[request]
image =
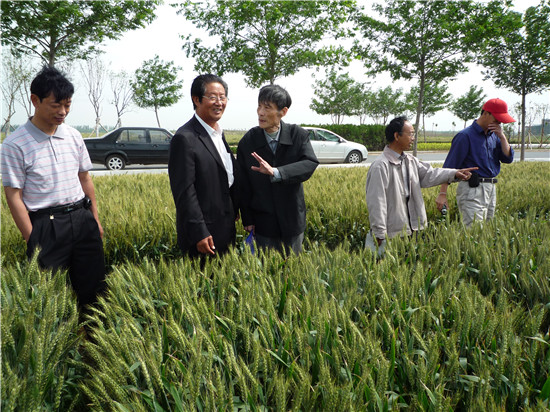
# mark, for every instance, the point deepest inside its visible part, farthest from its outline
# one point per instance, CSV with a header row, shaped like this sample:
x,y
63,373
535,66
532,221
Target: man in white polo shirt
x,y
49,191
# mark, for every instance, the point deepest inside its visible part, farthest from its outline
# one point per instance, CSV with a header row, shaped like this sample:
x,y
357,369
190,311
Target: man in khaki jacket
x,y
394,182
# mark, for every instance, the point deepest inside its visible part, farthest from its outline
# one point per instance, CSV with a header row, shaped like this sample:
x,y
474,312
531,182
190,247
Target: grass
x,y
456,319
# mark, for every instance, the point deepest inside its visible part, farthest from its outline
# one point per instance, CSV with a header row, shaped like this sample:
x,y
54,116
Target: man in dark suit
x,y
202,174
275,158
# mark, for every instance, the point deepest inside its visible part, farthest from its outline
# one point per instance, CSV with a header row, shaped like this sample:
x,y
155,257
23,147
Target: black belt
x,y
57,210
488,180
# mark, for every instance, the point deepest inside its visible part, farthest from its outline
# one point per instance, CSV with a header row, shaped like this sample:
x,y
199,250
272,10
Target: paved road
x,y
431,157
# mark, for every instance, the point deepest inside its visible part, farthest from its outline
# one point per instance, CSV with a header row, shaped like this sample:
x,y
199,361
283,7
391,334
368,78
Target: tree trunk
x,y
542,129
7,126
157,115
522,157
419,109
97,124
424,126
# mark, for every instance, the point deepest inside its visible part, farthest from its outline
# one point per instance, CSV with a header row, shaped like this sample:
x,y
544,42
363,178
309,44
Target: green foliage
x,y
468,106
429,41
327,329
384,102
435,98
39,325
444,147
265,40
156,85
372,136
519,60
338,95
69,29
456,319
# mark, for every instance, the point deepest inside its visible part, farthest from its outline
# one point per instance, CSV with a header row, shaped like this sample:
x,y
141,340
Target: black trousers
x,y
71,241
283,244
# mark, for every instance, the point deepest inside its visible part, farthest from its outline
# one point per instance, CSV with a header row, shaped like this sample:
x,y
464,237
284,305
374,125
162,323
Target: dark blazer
x,y
205,205
277,209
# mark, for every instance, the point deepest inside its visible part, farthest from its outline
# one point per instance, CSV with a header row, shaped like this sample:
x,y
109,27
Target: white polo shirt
x,y
45,167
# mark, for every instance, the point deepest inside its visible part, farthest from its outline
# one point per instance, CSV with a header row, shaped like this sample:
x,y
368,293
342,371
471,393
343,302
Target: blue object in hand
x,y
250,241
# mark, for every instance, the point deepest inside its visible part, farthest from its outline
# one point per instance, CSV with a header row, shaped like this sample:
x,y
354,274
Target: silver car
x,y
332,148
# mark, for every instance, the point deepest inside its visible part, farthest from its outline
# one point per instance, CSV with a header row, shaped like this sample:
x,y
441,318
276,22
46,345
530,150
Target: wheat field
x,y
455,319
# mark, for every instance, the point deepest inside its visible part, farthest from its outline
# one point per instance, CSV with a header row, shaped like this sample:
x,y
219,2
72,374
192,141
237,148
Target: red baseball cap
x,y
499,109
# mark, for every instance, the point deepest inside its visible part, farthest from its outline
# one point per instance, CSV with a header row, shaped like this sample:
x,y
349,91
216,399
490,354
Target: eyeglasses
x,y
412,134
213,99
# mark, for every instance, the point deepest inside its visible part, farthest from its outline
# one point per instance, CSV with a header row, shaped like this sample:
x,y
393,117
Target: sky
x,y
163,37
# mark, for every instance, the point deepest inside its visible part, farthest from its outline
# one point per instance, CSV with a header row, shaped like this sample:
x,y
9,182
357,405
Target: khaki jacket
x,y
390,213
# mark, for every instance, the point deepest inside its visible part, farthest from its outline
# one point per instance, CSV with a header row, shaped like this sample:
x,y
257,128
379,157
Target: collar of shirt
x,y
211,131
216,136
479,129
40,136
393,156
272,136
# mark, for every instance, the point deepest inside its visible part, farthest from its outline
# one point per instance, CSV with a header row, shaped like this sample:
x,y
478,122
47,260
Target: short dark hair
x,y
396,125
198,88
273,93
50,80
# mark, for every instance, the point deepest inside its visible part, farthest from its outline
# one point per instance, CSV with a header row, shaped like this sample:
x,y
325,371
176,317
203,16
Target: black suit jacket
x,y
204,202
277,209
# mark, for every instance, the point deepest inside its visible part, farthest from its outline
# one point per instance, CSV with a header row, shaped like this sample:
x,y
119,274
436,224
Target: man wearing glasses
x,y
394,182
482,144
202,173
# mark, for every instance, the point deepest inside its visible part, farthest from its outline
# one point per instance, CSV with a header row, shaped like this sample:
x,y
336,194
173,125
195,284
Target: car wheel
x,y
354,157
115,162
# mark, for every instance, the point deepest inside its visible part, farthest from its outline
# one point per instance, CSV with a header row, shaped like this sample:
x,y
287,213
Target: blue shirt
x,y
472,147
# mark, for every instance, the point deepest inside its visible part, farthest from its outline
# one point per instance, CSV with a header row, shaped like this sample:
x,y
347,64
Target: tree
x,y
516,111
123,94
337,95
24,95
156,85
520,61
265,40
435,99
69,29
544,109
430,40
385,102
468,106
364,108
94,73
15,75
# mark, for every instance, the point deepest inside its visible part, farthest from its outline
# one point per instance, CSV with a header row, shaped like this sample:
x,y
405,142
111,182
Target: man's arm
x,y
18,211
89,190
181,171
302,169
244,189
377,181
291,173
496,128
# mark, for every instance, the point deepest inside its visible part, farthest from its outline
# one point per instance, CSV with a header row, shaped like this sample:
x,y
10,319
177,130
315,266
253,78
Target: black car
x,y
127,145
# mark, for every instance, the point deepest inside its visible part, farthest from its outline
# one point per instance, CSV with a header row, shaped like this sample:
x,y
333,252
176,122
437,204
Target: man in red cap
x,y
484,145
